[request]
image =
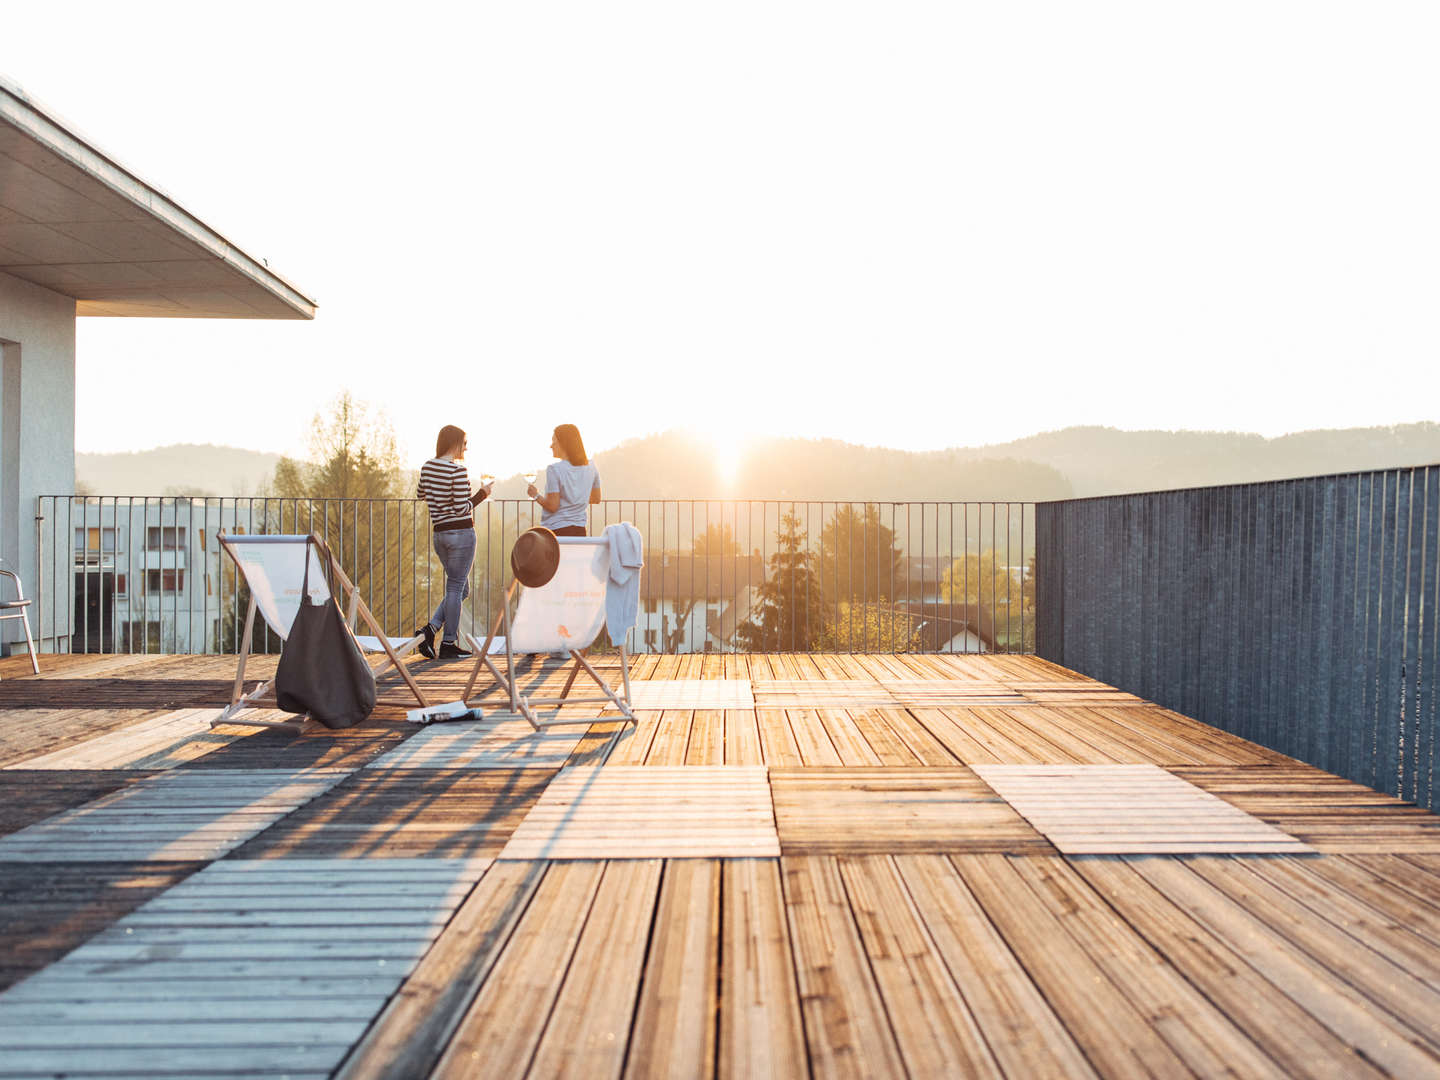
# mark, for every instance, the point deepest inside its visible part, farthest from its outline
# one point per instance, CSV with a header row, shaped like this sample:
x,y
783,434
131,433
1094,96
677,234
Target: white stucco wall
x,y
37,425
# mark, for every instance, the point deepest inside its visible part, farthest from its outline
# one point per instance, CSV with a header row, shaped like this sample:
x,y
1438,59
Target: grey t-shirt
x,y
574,483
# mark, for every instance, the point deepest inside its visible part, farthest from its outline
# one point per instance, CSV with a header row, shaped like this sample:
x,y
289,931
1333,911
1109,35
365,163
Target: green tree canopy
x,y
788,614
352,491
353,454
859,560
715,540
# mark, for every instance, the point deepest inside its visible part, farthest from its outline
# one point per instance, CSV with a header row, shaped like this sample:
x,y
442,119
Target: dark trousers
x,y
571,530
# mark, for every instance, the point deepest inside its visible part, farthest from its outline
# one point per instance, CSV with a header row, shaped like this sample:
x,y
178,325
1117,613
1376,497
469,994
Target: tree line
x,y
353,490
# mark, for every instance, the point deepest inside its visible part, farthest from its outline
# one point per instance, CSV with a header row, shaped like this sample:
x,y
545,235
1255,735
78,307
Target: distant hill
x,y
1107,461
1074,462
182,469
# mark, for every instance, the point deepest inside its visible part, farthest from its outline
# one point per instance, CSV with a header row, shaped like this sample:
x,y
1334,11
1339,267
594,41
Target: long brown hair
x,y
450,438
568,436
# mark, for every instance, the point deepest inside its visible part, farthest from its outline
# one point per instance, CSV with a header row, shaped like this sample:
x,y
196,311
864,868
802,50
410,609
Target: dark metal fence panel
x,y
1302,614
122,574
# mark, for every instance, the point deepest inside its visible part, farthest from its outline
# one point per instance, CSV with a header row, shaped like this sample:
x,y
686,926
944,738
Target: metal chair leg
x,y
30,644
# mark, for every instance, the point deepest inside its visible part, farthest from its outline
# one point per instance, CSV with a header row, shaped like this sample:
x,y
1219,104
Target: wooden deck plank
x,y
1202,1036
777,738
1374,880
499,1032
409,1036
674,1033
888,745
707,738
647,812
846,1027
847,739
760,1028
1385,982
970,738
1017,1023
934,1028
389,813
812,738
672,738
588,1031
998,955
1289,1034
891,810
1346,1011
1331,814
1100,809
742,745
126,964
1116,1037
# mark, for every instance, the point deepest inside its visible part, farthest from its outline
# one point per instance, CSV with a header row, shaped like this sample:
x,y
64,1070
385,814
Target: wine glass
x,y
486,479
530,476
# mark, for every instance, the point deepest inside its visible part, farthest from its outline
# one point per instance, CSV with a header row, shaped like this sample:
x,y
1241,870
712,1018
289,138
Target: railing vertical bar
x,y
1408,713
1430,639
1390,642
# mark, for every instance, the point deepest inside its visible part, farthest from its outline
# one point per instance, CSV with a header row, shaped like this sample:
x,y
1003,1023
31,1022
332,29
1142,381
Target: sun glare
x,y
728,455
727,452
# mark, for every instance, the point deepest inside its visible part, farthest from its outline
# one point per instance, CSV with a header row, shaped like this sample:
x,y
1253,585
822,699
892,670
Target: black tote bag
x,y
322,670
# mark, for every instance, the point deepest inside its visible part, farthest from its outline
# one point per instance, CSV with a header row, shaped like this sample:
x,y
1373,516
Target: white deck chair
x,y
274,569
565,615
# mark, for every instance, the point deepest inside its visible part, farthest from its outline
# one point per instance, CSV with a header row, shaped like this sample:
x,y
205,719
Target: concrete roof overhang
x,y
74,220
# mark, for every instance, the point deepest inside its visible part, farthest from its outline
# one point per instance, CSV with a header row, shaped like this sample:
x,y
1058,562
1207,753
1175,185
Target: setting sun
x,y
727,451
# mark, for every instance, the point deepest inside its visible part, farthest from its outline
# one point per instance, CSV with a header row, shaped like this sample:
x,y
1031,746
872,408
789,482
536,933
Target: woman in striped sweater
x,y
445,487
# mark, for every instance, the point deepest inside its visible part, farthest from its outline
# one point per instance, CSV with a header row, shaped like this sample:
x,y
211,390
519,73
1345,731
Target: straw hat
x,y
535,557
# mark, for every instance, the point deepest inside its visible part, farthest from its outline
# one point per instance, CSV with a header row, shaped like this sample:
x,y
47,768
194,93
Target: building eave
x,y
133,250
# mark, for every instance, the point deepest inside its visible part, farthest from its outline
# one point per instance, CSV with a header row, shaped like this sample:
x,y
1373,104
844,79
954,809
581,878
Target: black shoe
x,y
450,651
426,648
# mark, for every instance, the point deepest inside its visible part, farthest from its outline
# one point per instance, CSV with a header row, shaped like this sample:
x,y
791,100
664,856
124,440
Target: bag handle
x,y
329,562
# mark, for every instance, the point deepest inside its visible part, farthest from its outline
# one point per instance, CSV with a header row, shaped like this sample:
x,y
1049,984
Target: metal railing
x,y
137,574
1302,614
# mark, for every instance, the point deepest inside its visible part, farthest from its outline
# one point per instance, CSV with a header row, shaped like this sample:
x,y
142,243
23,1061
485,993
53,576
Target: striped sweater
x,y
445,487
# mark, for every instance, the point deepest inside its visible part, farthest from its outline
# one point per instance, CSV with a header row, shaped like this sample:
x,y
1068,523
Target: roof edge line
x,y
18,109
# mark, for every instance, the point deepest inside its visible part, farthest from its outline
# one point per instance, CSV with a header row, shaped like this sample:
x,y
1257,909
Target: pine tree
x,y
787,617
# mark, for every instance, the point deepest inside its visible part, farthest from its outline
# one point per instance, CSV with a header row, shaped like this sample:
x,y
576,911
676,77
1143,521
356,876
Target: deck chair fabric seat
x,y
565,615
274,570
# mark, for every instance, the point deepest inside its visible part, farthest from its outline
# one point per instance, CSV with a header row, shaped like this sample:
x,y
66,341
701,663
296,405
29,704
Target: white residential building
x,y
82,235
690,605
148,574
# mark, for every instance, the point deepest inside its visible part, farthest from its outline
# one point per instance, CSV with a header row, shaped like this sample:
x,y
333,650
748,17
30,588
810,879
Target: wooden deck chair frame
x,y
527,706
356,610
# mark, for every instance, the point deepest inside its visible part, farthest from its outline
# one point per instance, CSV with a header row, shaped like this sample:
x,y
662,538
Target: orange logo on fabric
x,y
564,631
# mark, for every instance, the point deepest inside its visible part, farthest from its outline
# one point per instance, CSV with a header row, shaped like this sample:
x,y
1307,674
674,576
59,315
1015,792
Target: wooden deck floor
x,y
792,865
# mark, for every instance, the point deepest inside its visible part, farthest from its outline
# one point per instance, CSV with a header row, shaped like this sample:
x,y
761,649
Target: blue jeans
x,y
456,549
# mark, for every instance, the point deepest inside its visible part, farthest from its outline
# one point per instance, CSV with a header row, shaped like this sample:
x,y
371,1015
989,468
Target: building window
x,y
92,541
165,538
164,580
120,583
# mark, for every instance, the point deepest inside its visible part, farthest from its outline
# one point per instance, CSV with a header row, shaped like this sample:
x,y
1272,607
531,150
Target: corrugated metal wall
x,y
1301,614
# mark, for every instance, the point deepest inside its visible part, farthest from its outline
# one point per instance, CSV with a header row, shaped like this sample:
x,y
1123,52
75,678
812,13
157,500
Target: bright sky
x,y
910,224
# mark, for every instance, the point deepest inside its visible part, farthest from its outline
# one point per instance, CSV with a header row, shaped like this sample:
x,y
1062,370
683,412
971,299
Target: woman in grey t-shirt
x,y
571,484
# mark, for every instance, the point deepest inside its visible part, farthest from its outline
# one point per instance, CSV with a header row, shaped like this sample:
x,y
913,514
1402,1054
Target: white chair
x,y
564,615
18,609
274,569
